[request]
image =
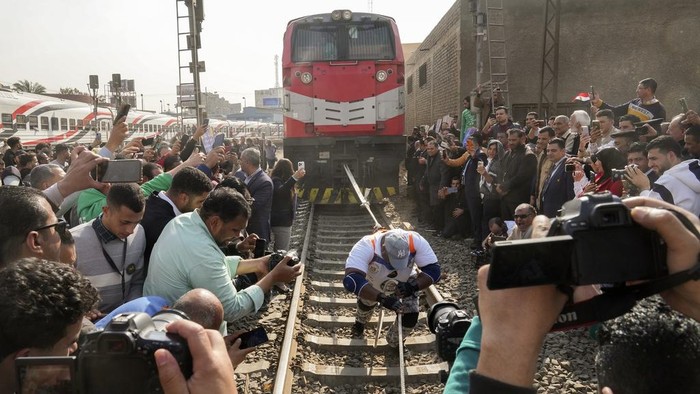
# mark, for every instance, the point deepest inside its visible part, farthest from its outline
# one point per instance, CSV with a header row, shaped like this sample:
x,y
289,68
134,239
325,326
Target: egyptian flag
x,y
583,96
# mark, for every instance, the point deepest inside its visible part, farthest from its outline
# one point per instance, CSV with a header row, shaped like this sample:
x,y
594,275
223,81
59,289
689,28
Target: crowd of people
x,y
186,235
463,176
181,238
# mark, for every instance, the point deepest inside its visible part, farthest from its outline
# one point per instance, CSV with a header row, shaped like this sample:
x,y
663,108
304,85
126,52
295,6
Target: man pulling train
x,y
382,269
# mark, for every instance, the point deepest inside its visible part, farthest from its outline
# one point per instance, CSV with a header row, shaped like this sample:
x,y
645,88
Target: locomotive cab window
x,y
7,119
21,119
64,124
343,42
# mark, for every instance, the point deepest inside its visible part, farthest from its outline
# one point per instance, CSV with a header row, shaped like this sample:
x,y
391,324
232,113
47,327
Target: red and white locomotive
x,y
343,76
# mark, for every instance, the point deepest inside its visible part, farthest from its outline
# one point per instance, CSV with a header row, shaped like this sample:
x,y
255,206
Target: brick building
x,y
609,44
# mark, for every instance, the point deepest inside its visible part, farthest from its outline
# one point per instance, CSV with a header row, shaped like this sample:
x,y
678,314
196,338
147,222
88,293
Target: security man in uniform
x,y
381,269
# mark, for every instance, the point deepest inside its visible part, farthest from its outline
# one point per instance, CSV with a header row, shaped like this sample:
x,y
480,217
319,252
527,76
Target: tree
x,y
30,87
70,91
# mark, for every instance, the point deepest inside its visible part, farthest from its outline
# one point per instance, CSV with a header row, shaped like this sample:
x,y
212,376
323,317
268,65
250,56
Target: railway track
x,y
317,352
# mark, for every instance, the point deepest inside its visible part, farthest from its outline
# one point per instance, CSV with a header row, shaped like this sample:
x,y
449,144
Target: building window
x,y
409,84
422,74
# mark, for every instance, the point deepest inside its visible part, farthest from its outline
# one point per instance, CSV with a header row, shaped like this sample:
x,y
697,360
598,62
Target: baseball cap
x,y
396,245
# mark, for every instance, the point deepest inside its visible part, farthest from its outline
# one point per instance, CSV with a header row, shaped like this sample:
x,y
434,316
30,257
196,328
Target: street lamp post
x,y
142,108
245,121
161,106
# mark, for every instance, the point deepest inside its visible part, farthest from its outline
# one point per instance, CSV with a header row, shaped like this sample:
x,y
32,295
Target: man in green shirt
x,y
187,256
467,119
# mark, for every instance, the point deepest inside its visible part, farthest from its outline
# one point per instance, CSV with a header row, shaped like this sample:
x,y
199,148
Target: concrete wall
x,y
609,44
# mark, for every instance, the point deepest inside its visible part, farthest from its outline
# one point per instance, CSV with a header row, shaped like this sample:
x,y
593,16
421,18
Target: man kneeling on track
x,y
381,269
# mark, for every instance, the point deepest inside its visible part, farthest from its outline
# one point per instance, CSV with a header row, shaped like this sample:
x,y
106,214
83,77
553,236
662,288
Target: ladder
x,y
189,99
496,38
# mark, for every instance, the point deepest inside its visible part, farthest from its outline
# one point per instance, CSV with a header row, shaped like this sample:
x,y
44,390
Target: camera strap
x,y
617,301
130,269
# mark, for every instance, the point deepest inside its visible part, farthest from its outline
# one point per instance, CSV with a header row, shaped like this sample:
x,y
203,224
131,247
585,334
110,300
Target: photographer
x,y
187,256
516,320
603,164
678,182
43,304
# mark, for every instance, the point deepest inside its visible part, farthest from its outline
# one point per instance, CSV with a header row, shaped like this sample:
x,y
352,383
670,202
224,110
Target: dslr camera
x,y
118,359
449,324
593,240
278,255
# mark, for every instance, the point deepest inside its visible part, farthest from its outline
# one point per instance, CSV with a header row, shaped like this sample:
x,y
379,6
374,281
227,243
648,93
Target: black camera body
x,y
278,255
449,324
618,174
593,240
120,358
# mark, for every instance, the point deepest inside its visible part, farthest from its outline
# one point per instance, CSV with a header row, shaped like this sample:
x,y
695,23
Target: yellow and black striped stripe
x,y
343,196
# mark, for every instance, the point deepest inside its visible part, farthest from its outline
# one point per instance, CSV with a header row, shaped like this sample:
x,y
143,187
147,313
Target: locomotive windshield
x,y
348,41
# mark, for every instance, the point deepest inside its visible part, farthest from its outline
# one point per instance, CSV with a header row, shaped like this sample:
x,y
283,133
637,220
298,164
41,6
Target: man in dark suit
x,y
260,186
470,178
188,191
519,169
558,188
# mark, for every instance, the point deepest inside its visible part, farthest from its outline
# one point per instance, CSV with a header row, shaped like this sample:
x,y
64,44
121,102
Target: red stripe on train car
x,y
22,109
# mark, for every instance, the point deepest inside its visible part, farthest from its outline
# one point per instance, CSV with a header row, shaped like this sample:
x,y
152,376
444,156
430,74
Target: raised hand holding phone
x,y
121,115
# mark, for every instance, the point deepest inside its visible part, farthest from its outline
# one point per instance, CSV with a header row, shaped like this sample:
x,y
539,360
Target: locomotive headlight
x,y
347,15
306,78
336,15
381,75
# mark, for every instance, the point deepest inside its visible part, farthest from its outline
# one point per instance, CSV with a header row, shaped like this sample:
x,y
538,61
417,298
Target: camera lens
x,y
167,316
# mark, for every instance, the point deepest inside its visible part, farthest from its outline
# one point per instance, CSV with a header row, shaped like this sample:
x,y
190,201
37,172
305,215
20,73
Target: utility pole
x,y
117,86
196,16
94,85
480,23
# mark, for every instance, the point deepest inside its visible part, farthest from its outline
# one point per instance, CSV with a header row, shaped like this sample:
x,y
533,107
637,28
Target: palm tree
x,y
70,91
30,87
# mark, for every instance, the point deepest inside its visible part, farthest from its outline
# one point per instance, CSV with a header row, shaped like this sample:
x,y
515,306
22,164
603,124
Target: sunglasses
x,y
521,216
61,226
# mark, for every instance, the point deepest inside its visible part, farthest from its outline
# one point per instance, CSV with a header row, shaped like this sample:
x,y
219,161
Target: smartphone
x,y
300,165
571,167
185,138
218,141
148,141
260,246
541,123
123,111
592,92
684,104
119,171
253,338
444,154
498,238
205,122
98,136
451,190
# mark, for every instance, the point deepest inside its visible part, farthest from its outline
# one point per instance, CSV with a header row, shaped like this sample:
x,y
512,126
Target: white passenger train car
x,y
38,118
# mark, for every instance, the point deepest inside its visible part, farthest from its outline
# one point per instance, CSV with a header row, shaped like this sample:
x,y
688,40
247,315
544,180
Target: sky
x,y
59,43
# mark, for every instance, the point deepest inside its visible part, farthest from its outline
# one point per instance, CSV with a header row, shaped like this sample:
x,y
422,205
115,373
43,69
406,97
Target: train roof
x,y
326,17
